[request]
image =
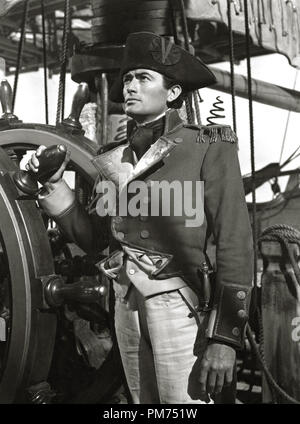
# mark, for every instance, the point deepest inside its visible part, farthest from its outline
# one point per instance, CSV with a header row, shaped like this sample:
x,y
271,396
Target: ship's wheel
x,y
30,329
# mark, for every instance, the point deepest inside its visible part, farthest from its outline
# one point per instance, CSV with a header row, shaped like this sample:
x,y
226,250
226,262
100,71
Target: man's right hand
x,y
33,165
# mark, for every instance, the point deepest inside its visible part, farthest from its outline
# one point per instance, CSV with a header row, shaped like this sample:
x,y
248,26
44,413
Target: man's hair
x,y
177,103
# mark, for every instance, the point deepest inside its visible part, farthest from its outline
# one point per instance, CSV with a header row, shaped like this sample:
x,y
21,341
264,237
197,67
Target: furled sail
x,y
274,24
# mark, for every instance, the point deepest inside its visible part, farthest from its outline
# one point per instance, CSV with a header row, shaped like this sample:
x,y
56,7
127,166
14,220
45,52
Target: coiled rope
x,y
215,112
260,356
284,234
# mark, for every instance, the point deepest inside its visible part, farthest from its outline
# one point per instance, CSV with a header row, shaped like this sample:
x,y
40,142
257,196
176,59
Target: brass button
x,y
178,140
118,219
120,235
241,295
143,218
144,234
235,331
131,271
242,314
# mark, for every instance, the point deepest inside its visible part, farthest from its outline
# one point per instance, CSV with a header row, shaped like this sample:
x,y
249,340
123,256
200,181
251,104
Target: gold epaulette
x,y
213,133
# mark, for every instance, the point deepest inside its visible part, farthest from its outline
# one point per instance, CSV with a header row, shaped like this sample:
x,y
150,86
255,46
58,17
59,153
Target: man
x,y
177,333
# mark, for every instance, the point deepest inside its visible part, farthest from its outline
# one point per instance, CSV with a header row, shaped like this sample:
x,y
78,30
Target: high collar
x,y
171,120
118,163
151,123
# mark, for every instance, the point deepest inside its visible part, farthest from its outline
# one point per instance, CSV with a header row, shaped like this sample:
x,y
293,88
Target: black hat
x,y
145,50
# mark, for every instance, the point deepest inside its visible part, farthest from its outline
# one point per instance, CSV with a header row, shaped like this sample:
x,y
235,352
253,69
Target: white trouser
x,y
156,338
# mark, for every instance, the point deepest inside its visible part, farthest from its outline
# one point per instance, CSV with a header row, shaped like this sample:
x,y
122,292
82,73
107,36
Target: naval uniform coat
x,y
183,153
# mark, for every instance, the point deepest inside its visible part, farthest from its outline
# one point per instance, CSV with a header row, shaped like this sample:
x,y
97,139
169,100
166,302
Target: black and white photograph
x,y
149,206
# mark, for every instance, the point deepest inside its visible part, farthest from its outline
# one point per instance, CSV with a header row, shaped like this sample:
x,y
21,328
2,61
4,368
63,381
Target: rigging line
x,y
197,107
20,52
68,32
231,53
62,81
295,157
173,21
252,148
66,39
287,121
45,62
189,109
290,158
189,98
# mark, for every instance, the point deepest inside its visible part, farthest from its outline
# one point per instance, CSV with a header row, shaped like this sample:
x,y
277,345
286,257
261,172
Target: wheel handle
x,y
50,161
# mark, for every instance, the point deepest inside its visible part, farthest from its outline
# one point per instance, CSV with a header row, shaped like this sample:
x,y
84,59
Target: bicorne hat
x,y
145,50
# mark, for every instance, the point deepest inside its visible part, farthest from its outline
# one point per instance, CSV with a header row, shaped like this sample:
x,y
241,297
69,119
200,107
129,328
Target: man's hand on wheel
x,y
33,165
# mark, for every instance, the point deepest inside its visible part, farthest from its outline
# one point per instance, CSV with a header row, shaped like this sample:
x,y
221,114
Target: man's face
x,y
145,96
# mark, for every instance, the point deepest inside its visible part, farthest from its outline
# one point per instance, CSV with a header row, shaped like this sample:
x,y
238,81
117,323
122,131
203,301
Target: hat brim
x,y
202,77
145,50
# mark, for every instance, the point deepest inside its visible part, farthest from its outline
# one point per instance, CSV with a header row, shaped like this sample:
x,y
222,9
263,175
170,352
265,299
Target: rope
x,y
215,111
20,52
45,62
184,26
68,31
270,379
231,54
63,64
281,231
291,157
287,121
197,107
254,223
285,235
189,110
189,98
173,21
252,154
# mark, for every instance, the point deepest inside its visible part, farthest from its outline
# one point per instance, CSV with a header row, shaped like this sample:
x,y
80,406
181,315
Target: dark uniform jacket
x,y
184,153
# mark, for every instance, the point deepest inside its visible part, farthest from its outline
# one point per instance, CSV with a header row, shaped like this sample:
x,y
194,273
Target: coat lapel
x,y
115,165
159,150
119,165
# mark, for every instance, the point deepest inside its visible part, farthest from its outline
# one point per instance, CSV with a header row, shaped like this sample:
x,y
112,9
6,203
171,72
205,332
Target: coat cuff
x,y
229,315
59,200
